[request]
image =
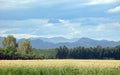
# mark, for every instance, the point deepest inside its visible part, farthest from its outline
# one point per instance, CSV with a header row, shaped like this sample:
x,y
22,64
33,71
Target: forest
x,y
23,50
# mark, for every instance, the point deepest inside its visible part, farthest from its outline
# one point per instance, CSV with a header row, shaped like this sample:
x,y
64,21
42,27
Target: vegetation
x,y
9,41
44,53
88,53
60,67
23,50
24,46
11,50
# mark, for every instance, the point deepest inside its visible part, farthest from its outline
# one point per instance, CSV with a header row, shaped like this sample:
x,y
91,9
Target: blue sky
x,y
97,19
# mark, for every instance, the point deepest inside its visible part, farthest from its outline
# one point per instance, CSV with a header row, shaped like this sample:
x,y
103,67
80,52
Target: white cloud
x,y
117,25
114,10
49,25
64,28
108,27
22,23
100,28
39,27
71,26
108,31
64,4
63,21
14,4
97,2
22,26
18,4
3,31
27,36
19,36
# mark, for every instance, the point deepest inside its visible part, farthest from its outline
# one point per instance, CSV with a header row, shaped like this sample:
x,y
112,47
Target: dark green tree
x,y
62,52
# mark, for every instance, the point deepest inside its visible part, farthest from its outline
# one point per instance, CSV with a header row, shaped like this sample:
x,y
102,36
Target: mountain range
x,y
45,43
86,42
56,39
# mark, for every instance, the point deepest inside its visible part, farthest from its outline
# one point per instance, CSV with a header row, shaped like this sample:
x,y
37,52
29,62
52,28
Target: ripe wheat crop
x,y
59,67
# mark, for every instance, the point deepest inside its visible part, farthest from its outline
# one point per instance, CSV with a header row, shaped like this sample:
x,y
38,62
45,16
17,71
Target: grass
x,y
59,67
47,53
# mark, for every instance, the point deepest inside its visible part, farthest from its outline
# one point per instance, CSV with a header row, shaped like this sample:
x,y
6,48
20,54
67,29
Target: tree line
x,y
88,53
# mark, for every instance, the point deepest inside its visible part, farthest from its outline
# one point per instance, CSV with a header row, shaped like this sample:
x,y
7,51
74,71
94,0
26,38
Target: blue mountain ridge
x,y
86,42
45,43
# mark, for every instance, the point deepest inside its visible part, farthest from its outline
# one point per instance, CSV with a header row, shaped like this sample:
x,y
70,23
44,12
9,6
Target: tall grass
x,y
58,71
64,67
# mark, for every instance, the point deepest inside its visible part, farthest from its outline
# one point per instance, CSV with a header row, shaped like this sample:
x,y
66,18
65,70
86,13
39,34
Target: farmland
x,y
60,67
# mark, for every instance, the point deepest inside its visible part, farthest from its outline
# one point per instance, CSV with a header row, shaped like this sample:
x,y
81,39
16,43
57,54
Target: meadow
x,y
60,67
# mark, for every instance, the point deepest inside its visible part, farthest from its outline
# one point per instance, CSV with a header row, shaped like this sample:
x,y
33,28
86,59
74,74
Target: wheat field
x,y
60,67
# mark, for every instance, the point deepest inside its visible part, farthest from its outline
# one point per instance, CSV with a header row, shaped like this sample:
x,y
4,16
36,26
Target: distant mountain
x,y
45,43
40,44
56,39
86,42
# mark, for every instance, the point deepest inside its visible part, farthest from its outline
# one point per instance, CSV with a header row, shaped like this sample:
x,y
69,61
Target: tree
x,y
4,42
62,52
2,53
24,46
10,52
117,52
9,41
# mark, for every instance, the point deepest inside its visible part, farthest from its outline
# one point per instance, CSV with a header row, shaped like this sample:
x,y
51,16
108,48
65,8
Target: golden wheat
x,y
60,63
